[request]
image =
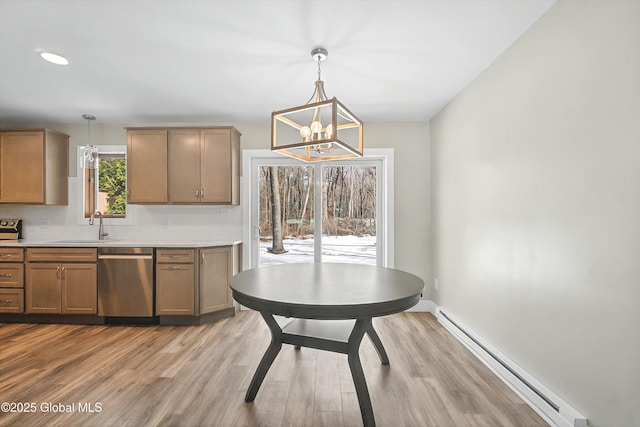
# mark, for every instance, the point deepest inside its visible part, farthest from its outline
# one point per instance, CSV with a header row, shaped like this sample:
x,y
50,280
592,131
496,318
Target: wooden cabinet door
x,y
216,266
22,167
43,288
184,166
79,288
175,289
215,164
147,166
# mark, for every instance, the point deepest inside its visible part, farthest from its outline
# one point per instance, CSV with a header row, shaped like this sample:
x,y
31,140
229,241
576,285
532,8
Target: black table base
x,y
339,336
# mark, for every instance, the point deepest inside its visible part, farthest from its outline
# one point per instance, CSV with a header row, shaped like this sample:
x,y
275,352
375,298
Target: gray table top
x,y
326,290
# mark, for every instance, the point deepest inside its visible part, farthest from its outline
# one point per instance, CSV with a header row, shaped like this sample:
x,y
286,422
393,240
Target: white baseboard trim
x,y
542,400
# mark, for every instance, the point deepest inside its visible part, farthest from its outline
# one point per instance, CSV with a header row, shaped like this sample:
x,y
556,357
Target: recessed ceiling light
x,y
53,58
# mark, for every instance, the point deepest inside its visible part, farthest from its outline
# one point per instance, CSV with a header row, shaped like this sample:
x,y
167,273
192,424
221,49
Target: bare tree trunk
x,y
277,246
304,207
325,204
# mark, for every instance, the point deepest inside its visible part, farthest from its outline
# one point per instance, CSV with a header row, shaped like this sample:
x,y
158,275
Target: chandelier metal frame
x,y
298,132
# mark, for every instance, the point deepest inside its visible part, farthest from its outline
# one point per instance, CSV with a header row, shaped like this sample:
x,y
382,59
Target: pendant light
x,y
321,129
88,152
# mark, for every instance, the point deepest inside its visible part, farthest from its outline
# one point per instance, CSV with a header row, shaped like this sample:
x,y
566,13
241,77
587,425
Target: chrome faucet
x,y
101,233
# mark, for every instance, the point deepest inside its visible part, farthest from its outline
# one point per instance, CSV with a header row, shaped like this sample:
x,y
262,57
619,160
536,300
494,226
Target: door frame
x,y
382,157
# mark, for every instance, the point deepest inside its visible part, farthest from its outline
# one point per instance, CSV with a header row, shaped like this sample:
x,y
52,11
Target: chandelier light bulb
x,y
305,133
329,131
316,127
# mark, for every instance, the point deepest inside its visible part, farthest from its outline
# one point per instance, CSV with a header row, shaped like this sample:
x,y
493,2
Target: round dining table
x,y
332,306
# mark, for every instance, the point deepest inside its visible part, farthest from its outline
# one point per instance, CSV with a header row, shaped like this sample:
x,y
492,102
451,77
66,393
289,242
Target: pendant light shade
x,y
321,129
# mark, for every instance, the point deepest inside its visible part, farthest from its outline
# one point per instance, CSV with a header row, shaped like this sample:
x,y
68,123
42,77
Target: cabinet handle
x,y
175,267
7,301
197,192
6,255
58,272
175,256
6,275
202,193
63,274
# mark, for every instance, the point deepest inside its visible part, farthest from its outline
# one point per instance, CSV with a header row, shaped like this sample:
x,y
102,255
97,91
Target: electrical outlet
x,y
436,286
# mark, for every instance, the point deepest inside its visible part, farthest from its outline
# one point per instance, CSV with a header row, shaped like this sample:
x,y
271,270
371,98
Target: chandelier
x,y
88,152
321,129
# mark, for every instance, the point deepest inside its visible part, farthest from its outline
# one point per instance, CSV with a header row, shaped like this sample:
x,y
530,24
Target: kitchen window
x,y
105,187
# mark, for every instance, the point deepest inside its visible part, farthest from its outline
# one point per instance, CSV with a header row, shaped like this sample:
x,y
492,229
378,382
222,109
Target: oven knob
x,y
3,223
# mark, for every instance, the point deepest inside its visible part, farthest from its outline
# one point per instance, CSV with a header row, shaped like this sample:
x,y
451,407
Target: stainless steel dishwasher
x,y
125,282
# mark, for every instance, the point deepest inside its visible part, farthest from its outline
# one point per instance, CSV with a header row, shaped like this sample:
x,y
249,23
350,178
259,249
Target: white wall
x,y
410,142
536,206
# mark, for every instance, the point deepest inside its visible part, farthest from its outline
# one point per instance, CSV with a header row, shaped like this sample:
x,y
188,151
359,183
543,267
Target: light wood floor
x,y
197,376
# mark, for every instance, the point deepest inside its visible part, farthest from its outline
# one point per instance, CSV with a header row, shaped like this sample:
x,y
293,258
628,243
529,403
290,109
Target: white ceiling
x,y
164,61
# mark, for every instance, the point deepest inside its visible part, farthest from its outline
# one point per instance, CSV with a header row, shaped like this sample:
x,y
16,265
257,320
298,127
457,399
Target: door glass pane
x,y
349,214
290,239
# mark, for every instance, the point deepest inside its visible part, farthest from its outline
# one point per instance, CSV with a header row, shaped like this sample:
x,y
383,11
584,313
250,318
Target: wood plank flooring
x,y
198,375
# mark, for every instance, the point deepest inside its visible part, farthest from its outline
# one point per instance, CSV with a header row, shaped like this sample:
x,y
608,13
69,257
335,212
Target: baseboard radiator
x,y
542,400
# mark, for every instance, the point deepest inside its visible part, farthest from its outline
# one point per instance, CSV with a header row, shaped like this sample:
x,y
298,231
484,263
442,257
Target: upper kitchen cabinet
x,y
183,165
34,167
204,166
147,166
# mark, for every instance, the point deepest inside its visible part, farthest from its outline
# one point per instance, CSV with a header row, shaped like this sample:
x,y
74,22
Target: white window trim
x,y
81,220
250,161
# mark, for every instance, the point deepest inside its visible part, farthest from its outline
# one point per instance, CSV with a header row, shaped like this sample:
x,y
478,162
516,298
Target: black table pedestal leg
x,y
267,359
375,339
353,346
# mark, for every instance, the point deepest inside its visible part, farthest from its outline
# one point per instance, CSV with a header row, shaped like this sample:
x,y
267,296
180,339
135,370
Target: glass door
x,y
325,212
287,194
349,214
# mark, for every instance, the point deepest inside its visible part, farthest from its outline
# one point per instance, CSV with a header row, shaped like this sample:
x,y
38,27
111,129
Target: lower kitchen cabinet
x,y
79,289
48,284
44,288
11,280
216,271
194,282
11,300
61,288
175,290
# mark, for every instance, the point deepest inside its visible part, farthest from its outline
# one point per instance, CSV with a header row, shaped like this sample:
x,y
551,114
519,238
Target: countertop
x,y
127,243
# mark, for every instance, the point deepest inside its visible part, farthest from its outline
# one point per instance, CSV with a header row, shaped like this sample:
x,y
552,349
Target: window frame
x,y
84,186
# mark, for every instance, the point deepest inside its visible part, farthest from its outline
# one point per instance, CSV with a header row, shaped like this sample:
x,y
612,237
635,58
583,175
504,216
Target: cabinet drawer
x,y
11,275
11,254
62,254
175,256
11,300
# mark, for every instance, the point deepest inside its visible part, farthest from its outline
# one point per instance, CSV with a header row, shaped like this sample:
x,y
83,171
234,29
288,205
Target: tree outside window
x,y
109,195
